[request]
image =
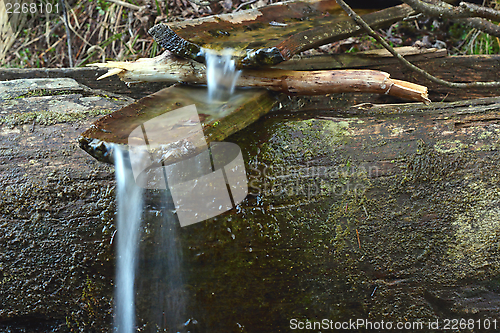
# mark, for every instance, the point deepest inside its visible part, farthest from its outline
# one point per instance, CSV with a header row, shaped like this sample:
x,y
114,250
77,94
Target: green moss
x,y
305,139
49,117
44,92
91,304
449,146
434,164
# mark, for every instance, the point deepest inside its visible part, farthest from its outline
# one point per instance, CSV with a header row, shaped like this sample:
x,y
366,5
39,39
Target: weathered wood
x,y
166,67
451,68
332,82
365,59
56,210
261,38
85,76
218,121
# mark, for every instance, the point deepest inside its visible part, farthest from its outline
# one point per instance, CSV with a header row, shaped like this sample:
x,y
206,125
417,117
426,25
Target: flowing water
x,y
130,206
160,281
157,256
221,75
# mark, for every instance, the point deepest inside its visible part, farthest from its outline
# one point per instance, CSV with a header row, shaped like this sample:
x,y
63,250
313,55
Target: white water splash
x,y
130,206
222,74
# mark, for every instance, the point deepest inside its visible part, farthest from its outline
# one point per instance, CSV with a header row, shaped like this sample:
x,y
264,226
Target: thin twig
x,y
51,47
71,10
483,25
36,39
473,40
463,41
445,10
357,234
243,4
78,35
125,4
47,28
405,62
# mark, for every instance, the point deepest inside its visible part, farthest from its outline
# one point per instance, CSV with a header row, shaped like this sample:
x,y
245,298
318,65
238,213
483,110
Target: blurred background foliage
x,y
103,30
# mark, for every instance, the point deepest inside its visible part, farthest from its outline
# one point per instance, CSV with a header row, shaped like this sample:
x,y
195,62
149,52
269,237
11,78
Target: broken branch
x,y
167,68
332,81
445,10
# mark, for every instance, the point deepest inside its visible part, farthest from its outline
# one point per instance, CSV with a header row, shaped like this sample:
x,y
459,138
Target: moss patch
x,y
49,117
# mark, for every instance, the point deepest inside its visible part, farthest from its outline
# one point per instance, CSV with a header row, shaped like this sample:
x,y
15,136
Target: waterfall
x,y
130,205
161,285
221,75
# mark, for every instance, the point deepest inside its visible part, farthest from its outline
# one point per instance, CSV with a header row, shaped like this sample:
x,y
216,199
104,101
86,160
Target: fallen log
x,y
168,68
438,165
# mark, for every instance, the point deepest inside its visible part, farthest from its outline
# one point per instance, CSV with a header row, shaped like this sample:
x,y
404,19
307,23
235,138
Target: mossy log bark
x,y
391,213
56,209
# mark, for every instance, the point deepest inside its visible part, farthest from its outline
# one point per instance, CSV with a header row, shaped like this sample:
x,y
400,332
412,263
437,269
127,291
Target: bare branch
x,y
445,10
467,13
480,11
482,25
405,62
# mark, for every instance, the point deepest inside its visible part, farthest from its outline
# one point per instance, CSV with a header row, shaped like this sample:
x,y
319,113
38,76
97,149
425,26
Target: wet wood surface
x,y
271,34
423,228
56,208
218,120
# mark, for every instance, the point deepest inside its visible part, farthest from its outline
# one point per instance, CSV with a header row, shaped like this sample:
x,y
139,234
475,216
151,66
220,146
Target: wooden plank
x,y
454,69
261,37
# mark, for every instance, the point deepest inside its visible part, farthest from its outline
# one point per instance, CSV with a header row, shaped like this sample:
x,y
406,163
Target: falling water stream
x,y
130,205
166,300
221,75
